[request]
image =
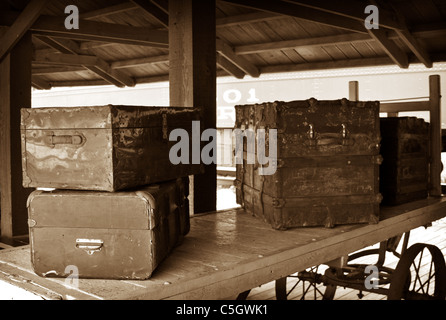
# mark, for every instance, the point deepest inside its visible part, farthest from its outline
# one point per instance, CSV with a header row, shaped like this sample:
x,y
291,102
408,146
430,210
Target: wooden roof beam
x,y
420,31
229,67
39,71
419,51
240,62
336,64
298,43
392,50
21,24
39,83
153,10
410,41
94,31
101,68
139,61
103,12
95,64
305,13
353,9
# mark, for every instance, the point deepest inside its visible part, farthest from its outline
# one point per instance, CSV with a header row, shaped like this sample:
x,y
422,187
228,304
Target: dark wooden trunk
x,y
327,163
105,148
404,173
120,235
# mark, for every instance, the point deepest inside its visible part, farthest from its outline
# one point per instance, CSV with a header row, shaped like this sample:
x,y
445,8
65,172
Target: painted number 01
x,y
233,96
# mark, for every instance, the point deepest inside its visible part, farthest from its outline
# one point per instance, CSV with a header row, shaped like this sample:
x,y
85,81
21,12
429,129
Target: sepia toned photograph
x,y
228,155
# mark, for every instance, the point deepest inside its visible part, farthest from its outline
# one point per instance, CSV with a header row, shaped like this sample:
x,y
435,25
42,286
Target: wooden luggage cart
x,y
229,252
406,281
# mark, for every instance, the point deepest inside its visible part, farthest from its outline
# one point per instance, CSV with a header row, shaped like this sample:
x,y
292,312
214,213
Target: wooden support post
x,y
435,127
192,77
15,93
353,91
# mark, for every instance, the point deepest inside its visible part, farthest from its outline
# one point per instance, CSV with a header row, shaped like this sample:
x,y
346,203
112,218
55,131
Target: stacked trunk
x,y
120,206
327,163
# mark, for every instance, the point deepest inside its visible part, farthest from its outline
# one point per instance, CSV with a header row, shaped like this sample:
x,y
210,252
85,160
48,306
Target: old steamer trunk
x,y
111,235
404,173
106,148
327,163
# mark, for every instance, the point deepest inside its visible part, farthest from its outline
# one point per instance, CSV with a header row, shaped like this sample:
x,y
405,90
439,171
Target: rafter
x,y
95,64
298,43
103,12
130,63
39,83
228,52
412,43
153,10
353,9
348,63
94,31
101,68
229,67
392,50
305,13
21,25
419,51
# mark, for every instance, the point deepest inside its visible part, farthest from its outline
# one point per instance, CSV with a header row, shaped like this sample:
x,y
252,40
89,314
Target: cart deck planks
x,y
229,252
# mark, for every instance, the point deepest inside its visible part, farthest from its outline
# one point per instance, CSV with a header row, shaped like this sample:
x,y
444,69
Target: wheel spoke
x,y
417,273
291,290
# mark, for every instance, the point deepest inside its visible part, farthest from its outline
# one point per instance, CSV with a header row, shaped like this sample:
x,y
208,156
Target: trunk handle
x,y
316,139
89,245
76,139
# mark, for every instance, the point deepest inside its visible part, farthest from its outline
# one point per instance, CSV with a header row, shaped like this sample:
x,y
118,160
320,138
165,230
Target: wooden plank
x,y
192,77
304,13
103,12
130,63
419,51
40,83
395,107
245,18
229,67
101,68
153,10
306,42
250,274
435,135
392,50
21,26
347,63
224,49
351,9
66,59
94,31
184,275
15,93
93,63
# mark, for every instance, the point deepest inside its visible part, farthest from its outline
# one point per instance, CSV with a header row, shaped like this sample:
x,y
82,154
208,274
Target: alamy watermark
x,y
72,20
189,150
370,22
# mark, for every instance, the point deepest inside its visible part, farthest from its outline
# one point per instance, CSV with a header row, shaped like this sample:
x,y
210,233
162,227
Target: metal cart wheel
x,y
419,275
310,282
318,286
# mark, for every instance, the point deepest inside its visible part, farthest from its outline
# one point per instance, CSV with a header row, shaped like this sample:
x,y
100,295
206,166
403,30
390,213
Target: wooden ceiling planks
x,y
265,39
